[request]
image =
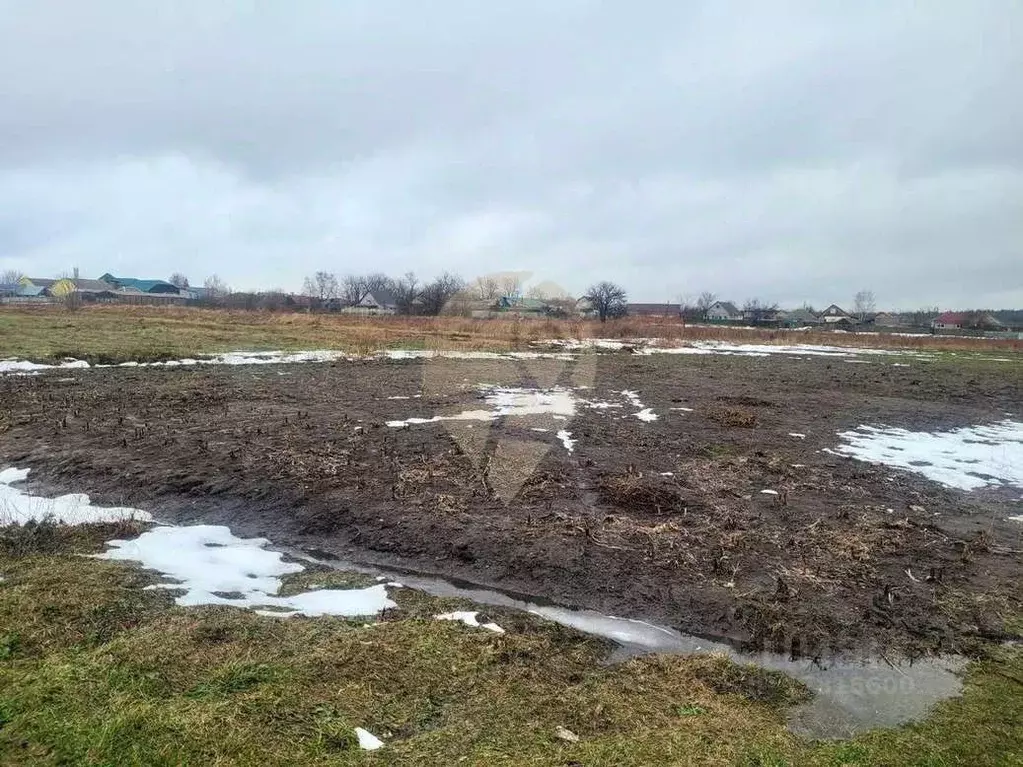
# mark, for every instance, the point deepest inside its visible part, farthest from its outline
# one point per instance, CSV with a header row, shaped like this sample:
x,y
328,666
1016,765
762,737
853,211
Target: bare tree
x,y
377,282
10,276
406,293
461,303
922,317
539,292
690,310
216,288
705,301
437,293
355,287
486,288
352,289
322,286
978,319
863,304
509,284
607,299
179,281
72,300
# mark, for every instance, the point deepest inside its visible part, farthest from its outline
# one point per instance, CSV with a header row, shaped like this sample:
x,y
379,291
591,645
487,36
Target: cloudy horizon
x,y
797,153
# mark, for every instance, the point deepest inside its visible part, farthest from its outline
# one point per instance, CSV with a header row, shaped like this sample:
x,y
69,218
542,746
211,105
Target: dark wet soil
x,y
847,556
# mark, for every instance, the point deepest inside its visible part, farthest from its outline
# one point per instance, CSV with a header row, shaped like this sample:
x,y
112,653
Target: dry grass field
x,y
121,333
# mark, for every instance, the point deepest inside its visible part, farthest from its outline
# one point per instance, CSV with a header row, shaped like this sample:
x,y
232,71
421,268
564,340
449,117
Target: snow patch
x,y
509,401
967,458
17,507
797,435
214,567
367,740
566,440
421,354
643,413
24,366
469,619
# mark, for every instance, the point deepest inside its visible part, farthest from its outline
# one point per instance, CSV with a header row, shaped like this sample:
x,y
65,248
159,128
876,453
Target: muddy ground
x,y
847,556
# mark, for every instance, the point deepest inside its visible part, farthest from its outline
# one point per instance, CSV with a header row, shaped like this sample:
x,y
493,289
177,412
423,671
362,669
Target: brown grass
x,y
647,495
115,333
734,416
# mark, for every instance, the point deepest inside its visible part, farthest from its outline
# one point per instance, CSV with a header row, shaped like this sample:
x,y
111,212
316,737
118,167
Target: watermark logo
x,y
507,411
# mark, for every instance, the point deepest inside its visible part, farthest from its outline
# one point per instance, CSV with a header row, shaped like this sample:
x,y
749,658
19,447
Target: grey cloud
x,y
794,152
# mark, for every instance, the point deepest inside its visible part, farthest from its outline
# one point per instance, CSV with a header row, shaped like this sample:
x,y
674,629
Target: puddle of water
x,y
850,696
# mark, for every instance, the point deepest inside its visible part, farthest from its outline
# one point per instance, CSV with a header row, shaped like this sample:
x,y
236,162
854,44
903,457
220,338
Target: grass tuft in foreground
x,y
96,670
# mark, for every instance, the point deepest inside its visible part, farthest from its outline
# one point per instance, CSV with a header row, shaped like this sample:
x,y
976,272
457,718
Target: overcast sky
x,y
792,153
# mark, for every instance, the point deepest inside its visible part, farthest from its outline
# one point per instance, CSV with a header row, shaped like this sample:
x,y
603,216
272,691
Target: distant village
x,y
385,297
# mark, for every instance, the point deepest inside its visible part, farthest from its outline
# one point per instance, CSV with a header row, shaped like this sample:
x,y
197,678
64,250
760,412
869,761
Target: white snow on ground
x,y
660,346
505,401
228,358
367,740
967,458
566,440
762,350
567,349
683,409
469,619
7,476
518,401
643,413
418,354
612,344
603,405
632,397
558,403
1016,518
207,562
17,507
797,435
273,358
24,366
214,567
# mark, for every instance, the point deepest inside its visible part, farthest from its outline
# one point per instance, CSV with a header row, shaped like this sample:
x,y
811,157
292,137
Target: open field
x,y
629,484
117,334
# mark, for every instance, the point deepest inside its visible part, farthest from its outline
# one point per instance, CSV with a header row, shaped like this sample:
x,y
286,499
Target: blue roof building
x,y
146,286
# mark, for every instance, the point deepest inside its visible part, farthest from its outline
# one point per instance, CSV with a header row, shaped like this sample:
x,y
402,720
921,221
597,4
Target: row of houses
x,y
106,289
113,289
836,317
726,311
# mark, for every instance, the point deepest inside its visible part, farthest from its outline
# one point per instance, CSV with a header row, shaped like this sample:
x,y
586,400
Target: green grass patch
x,y
96,670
